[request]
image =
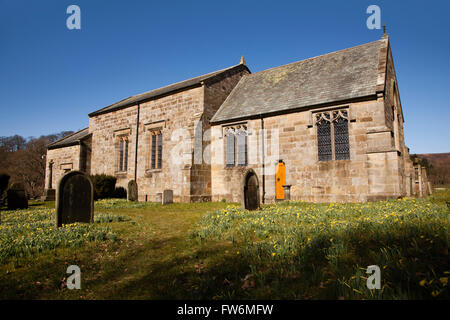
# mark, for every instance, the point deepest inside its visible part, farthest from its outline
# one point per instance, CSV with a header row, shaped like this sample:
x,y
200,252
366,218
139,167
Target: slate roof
x,y
336,76
70,140
168,89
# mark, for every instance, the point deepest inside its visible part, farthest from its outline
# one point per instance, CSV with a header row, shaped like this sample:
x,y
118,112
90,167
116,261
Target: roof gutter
x,y
167,92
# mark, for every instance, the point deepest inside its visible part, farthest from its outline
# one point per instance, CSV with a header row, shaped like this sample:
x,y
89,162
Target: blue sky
x,y
52,77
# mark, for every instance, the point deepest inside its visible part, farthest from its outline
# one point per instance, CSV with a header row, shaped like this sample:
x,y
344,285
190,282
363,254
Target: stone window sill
x,y
235,166
334,160
153,170
121,173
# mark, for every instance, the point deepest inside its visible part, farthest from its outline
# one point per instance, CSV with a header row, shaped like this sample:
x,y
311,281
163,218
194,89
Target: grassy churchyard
x,y
292,250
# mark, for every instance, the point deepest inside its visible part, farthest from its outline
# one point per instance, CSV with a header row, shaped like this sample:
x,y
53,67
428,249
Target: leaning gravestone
x,y
132,191
17,197
167,197
74,199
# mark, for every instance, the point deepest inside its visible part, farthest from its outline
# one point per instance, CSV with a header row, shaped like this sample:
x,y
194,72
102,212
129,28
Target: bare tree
x,y
24,160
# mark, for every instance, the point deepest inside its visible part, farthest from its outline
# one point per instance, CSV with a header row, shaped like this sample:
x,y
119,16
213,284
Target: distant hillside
x,y
438,167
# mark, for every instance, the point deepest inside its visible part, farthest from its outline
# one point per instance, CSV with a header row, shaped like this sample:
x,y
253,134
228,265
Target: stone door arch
x,y
250,191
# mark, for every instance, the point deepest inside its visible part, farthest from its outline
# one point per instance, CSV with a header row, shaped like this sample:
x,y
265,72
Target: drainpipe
x,y
137,138
81,165
263,160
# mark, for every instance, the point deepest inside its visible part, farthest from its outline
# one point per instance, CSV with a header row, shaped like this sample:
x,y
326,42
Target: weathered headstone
x,y
167,197
49,195
74,199
287,191
250,191
17,197
158,197
132,191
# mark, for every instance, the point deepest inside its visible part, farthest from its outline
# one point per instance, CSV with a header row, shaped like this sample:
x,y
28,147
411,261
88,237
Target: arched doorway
x,y
250,188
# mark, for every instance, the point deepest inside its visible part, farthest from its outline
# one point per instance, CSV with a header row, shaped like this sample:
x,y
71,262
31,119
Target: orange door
x,y
280,180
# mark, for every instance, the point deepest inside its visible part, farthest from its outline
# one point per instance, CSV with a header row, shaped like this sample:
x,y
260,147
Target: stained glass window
x,y
333,135
324,140
341,145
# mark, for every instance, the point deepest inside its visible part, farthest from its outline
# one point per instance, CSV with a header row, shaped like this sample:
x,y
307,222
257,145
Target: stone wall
x,y
215,94
85,155
371,173
395,122
171,115
64,159
183,120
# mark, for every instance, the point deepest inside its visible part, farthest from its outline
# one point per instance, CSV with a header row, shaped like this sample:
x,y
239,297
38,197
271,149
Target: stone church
x,y
328,128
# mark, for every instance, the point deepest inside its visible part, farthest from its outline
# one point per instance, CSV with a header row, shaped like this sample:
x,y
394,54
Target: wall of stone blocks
x,y
215,94
172,115
86,155
106,130
177,115
371,173
63,158
183,120
396,123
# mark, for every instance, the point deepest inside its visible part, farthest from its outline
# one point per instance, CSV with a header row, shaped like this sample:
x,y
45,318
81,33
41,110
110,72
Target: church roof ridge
x,y
70,139
316,57
181,85
341,75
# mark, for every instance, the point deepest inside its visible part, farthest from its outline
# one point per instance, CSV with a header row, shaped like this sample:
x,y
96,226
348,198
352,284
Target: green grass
x,y
293,250
31,231
300,250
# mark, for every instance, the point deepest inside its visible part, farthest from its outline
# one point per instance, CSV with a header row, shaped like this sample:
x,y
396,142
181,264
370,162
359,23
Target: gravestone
x,y
250,191
287,191
167,197
74,199
158,197
132,191
49,195
17,197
